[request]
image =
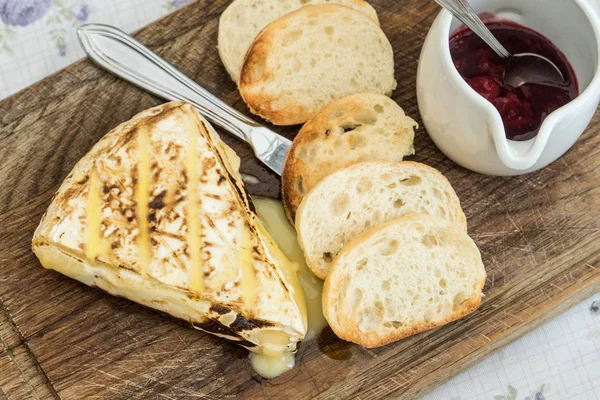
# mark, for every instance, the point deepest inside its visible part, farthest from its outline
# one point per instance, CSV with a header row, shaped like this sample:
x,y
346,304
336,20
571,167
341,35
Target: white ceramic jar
x,y
469,129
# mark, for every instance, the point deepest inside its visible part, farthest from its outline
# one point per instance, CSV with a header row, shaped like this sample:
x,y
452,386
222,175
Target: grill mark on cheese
x,y
214,326
242,324
125,138
245,256
174,254
170,234
242,196
142,195
212,224
72,192
196,273
158,201
219,309
93,245
83,180
213,196
155,205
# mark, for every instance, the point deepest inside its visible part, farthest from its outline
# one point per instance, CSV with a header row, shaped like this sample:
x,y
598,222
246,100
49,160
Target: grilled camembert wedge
x,y
157,213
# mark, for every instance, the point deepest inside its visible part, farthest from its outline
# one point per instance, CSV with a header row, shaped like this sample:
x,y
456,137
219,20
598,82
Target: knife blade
x,y
122,55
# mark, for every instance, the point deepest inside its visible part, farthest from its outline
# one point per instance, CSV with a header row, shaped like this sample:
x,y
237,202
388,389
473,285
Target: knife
x,y
119,53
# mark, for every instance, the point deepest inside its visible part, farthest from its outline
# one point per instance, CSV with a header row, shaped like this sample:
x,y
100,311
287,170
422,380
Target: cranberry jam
x,y
524,108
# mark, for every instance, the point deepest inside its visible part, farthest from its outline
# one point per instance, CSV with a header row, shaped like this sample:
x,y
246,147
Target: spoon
x,y
521,68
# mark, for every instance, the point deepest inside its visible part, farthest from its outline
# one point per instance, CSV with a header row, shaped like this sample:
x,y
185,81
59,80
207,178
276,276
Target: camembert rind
x,y
274,318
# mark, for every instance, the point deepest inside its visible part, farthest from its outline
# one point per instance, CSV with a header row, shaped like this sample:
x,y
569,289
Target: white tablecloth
x,y
560,360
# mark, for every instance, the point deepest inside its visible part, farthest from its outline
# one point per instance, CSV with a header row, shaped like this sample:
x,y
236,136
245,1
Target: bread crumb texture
x,y
364,195
403,277
242,21
312,57
358,128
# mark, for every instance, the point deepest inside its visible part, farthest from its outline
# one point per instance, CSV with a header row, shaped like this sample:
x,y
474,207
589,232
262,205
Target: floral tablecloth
x,y
560,360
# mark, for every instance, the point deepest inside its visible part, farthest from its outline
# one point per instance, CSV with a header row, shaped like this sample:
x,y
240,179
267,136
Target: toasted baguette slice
x,y
157,213
400,278
241,22
364,195
308,58
357,128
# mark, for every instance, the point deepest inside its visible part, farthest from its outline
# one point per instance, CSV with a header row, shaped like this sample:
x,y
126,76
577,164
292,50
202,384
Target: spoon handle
x,y
465,14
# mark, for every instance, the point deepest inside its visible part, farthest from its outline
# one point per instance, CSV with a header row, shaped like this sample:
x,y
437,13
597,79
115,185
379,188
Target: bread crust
x,y
373,339
256,71
346,328
322,131
254,10
312,259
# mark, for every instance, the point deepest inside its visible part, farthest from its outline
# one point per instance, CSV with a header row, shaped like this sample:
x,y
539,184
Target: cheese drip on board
x,y
271,366
271,213
273,218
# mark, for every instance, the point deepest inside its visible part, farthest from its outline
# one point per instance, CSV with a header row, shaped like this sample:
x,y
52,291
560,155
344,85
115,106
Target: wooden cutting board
x,y
539,236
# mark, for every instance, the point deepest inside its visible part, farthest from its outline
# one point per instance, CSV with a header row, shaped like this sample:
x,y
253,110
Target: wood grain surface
x,y
538,234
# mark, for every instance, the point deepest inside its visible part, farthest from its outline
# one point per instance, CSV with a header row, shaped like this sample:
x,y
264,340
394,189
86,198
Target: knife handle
x,y
119,53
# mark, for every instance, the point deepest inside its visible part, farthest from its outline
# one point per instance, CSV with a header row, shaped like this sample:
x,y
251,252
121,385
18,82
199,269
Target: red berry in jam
x,y
522,109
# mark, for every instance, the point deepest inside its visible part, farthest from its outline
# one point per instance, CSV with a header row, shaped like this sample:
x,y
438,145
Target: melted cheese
x,y
246,263
278,356
274,220
95,245
287,267
196,273
272,366
142,195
